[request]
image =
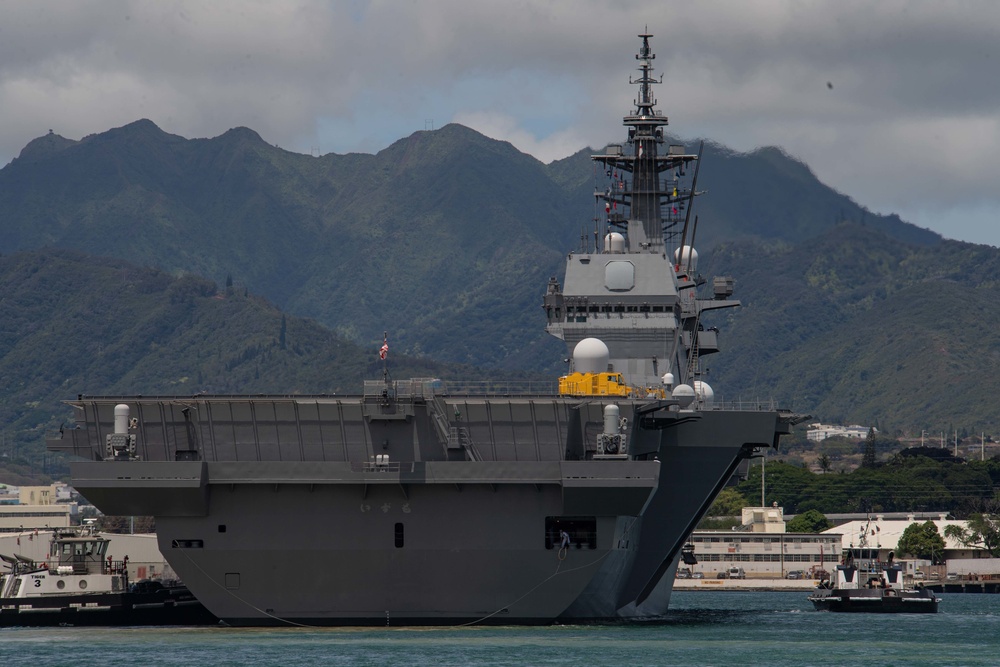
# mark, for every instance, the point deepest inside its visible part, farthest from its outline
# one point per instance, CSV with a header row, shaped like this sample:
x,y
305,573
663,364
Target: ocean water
x,y
703,628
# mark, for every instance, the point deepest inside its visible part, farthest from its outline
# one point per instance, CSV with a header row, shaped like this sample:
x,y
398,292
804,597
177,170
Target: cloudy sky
x,y
894,103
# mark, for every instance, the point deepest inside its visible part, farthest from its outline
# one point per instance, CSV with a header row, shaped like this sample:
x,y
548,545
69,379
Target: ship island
x,y
424,502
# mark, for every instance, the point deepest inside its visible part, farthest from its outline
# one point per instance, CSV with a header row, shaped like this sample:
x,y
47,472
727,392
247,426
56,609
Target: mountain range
x,y
134,258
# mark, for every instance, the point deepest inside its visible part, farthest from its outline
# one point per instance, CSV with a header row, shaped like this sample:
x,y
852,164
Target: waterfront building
x,y
819,432
27,518
763,549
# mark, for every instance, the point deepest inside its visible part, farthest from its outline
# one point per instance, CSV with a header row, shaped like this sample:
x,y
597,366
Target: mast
x,y
645,180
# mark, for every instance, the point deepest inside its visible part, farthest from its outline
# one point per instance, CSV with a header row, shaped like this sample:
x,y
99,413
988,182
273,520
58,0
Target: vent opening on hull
x,y
399,536
570,531
187,544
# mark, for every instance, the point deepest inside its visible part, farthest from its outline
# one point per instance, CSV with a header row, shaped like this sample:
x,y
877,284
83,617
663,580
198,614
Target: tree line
x,y
905,483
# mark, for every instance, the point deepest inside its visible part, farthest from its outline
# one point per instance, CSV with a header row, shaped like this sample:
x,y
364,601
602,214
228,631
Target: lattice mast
x,y
643,196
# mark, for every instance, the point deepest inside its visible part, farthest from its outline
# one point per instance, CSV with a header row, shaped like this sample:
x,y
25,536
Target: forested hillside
x,y
135,260
74,324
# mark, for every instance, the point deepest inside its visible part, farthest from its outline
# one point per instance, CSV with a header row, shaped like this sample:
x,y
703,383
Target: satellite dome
x,y
668,379
685,256
614,242
591,356
684,394
705,393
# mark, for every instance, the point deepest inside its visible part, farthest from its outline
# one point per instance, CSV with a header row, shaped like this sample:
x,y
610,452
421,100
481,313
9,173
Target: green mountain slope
x,y
855,327
438,238
75,324
446,240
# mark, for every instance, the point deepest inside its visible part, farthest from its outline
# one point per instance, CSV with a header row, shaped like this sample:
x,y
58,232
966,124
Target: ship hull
x,y
330,545
434,555
438,542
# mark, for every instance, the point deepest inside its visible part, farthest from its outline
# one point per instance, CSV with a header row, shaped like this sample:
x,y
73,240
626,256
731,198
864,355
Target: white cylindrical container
x,y
121,418
611,419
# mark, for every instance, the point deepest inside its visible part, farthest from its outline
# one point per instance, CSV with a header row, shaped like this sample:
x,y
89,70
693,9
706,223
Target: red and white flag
x,y
384,350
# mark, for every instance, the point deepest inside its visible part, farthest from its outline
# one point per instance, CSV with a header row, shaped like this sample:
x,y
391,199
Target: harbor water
x,y
703,628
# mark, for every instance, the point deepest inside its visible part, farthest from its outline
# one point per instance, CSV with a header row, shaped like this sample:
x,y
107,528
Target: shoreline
x,y
745,584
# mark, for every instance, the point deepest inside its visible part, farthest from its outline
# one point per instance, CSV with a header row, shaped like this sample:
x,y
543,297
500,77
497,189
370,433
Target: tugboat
x,y
863,583
77,586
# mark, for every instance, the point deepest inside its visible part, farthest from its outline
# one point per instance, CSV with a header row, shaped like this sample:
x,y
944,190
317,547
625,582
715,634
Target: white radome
x,y
683,394
705,393
686,256
591,356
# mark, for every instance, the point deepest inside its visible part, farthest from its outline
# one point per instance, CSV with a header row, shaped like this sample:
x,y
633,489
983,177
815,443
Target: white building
x,y
883,534
38,495
763,549
764,555
15,518
818,432
764,519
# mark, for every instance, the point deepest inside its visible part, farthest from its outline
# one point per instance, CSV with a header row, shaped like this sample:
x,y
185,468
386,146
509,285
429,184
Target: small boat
x,y
863,583
77,586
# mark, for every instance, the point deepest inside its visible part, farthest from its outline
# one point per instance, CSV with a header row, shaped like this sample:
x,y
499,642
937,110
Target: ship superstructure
x,y
413,503
637,291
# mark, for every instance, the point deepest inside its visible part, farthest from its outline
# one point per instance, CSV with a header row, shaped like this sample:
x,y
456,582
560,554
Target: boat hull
x,y
168,606
877,601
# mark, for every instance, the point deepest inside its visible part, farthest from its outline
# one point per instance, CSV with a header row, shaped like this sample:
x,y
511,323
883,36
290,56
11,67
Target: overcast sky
x,y
896,104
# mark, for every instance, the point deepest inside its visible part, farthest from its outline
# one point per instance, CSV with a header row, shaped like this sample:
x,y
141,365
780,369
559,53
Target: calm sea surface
x,y
704,628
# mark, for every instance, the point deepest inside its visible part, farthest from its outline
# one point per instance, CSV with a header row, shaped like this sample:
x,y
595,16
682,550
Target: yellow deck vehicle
x,y
604,384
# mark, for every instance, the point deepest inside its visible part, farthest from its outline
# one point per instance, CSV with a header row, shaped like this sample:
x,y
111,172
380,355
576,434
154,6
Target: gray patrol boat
x,y
417,502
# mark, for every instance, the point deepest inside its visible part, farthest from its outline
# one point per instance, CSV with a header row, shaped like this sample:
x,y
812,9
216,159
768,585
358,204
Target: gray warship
x,y
417,502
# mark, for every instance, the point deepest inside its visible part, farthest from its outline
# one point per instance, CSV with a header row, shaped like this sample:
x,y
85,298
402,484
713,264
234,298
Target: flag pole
x,y
383,352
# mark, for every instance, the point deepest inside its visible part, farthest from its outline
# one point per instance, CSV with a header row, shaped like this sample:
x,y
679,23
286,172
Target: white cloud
x,y
910,123
506,128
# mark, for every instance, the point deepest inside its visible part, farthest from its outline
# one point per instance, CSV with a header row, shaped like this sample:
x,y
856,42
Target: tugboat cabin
x,y
861,568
